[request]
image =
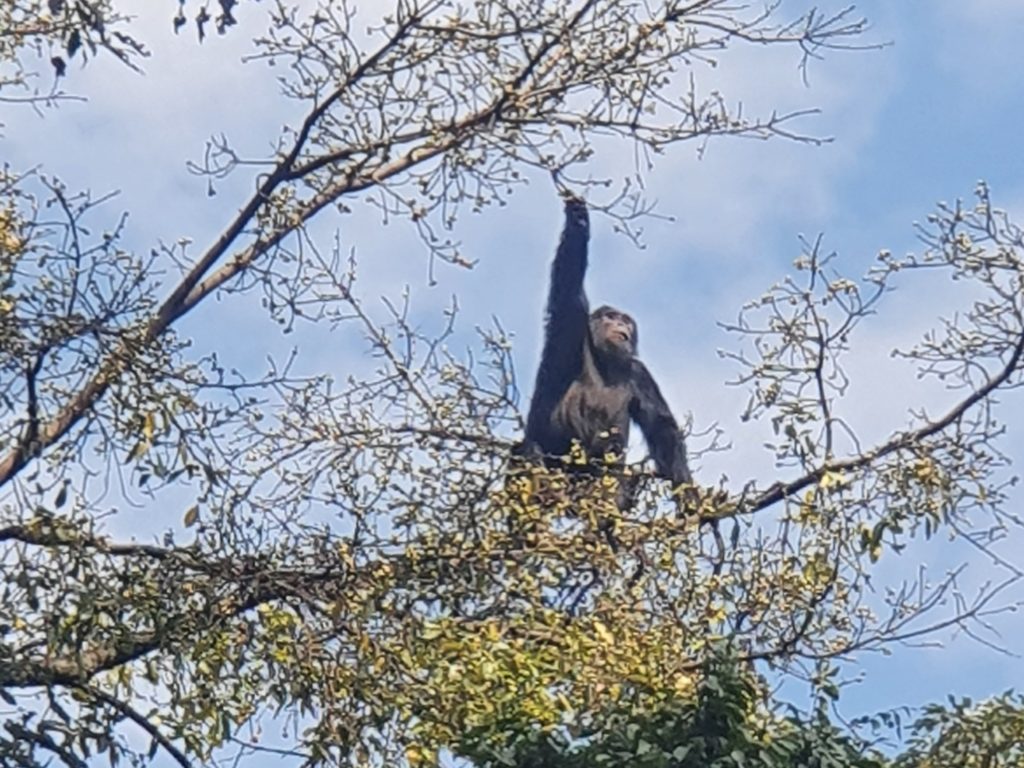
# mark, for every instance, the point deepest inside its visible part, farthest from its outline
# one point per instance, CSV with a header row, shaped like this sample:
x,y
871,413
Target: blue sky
x,y
920,120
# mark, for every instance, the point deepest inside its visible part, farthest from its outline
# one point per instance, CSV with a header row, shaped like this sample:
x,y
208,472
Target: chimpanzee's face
x,y
613,332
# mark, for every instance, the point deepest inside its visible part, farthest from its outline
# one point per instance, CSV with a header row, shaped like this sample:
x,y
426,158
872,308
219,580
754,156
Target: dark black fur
x,y
590,385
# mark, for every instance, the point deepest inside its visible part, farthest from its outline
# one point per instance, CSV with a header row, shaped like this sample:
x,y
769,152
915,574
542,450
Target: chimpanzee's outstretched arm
x,y
567,321
567,310
664,440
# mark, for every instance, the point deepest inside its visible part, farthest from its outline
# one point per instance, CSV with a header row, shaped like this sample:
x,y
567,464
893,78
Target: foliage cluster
x,y
355,579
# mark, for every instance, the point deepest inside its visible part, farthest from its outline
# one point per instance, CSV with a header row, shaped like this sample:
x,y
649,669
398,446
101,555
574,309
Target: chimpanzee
x,y
590,384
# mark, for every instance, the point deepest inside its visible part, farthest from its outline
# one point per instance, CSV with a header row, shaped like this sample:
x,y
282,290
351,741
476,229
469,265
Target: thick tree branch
x,y
780,491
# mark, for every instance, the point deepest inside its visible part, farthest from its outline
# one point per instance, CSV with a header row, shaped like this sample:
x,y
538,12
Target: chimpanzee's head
x,y
613,333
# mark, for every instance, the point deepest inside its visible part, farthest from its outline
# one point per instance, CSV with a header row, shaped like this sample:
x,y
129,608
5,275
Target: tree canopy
x,y
351,577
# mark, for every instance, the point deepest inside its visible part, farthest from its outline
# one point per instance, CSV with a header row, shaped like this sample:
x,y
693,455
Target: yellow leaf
x,y
148,427
417,754
716,613
430,631
831,480
191,515
138,451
